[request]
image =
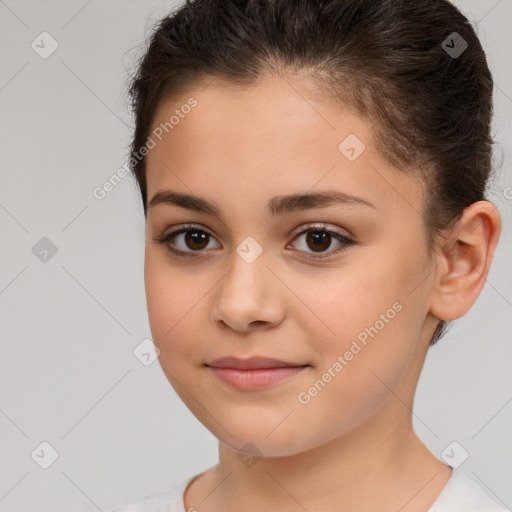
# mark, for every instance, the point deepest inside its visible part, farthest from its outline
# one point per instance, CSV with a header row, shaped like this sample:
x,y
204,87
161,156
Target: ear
x,y
464,260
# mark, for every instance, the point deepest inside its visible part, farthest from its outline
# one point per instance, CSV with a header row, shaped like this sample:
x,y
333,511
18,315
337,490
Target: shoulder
x,y
462,494
166,501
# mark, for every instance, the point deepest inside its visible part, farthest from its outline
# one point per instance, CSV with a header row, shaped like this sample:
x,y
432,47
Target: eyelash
x,y
165,239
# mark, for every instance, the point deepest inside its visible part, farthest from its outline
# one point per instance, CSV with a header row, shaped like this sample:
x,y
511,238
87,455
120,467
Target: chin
x,y
257,448
265,440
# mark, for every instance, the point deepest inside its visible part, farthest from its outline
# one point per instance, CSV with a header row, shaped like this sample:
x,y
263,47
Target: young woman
x,y
313,178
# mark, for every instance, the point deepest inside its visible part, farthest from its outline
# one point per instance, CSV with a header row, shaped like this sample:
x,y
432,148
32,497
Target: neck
x,y
382,466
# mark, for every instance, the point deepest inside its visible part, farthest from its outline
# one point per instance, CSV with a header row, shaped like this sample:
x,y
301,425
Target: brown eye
x,y
186,241
196,239
318,240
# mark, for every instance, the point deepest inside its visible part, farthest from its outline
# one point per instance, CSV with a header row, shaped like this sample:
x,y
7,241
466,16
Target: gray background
x,y
69,326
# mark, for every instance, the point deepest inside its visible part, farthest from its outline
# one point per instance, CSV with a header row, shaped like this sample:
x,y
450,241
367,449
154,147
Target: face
x,y
348,303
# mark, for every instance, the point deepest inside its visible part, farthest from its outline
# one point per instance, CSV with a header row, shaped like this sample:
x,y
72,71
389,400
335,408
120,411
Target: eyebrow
x,y
278,205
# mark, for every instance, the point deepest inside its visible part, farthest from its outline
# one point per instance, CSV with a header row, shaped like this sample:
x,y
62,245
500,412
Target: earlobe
x,y
464,260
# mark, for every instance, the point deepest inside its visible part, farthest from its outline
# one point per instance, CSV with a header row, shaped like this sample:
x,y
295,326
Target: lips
x,y
254,373
252,363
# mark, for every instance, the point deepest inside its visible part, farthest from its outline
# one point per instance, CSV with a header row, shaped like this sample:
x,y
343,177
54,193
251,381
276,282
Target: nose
x,y
249,297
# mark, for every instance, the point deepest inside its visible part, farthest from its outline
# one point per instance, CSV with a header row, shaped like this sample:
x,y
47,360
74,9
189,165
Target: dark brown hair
x,y
402,63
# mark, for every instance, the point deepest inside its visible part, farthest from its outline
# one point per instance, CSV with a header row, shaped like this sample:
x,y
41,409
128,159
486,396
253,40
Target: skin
x,y
239,147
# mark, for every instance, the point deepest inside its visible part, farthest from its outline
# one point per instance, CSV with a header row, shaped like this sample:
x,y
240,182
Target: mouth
x,y
253,363
255,372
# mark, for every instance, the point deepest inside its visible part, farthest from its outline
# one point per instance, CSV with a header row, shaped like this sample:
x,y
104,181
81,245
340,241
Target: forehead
x,y
278,136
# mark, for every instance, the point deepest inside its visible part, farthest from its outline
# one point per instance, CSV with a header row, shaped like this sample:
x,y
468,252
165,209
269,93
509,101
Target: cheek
x,y
175,298
165,296
346,302
365,315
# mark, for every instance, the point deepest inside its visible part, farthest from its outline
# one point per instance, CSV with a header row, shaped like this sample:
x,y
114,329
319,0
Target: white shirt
x,y
460,494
